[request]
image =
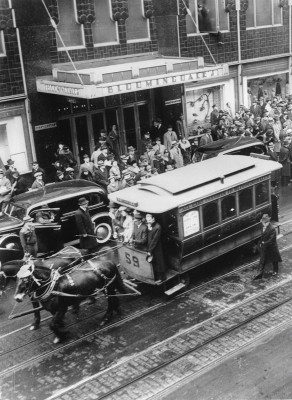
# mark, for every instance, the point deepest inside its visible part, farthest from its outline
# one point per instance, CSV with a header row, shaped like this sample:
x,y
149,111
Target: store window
x,y
2,44
210,214
70,30
104,28
137,26
209,16
261,88
263,13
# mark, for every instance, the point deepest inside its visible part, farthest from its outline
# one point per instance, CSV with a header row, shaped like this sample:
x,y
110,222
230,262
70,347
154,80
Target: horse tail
x,y
119,284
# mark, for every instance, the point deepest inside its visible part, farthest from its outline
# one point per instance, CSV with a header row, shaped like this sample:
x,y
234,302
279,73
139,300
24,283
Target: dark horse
x,y
57,292
64,260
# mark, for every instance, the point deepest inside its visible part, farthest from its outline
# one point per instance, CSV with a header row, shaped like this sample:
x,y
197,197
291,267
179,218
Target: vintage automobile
x,y
61,201
239,145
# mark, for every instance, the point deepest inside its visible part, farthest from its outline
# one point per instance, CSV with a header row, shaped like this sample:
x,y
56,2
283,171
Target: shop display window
x,y
137,26
70,30
104,28
256,17
267,87
209,16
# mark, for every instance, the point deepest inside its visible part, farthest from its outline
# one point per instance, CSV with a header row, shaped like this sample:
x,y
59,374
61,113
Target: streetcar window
x,y
262,193
228,208
171,223
245,200
210,214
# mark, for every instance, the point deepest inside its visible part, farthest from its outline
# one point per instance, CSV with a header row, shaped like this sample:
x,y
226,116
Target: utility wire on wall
x,y
53,23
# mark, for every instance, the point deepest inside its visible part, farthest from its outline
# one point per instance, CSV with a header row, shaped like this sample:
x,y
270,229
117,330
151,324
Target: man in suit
x,y
85,226
181,128
154,247
169,137
269,252
140,232
28,238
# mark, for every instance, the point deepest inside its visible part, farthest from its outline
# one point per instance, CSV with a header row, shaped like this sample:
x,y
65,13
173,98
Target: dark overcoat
x,y
269,251
85,225
284,159
140,236
154,246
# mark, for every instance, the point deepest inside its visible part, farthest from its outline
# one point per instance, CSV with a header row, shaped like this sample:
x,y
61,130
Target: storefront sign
x,y
171,102
45,126
102,90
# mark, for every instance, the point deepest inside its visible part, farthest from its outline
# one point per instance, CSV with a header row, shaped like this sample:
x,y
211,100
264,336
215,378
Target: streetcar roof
x,y
193,182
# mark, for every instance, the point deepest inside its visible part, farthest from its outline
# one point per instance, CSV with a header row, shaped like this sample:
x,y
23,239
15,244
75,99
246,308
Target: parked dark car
x,y
239,145
61,201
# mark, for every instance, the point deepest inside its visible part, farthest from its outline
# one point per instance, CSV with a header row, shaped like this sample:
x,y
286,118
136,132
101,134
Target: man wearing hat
x,y
284,159
101,174
113,185
38,183
69,174
145,142
149,154
158,146
86,169
36,168
59,176
214,115
139,238
269,252
20,184
169,137
5,191
181,128
176,155
154,247
206,137
10,169
28,238
85,227
131,155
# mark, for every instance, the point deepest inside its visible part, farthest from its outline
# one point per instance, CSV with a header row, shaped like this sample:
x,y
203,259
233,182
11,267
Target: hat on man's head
x,y
138,215
265,218
10,161
100,163
83,201
69,169
131,148
38,174
27,218
124,157
158,139
173,142
34,162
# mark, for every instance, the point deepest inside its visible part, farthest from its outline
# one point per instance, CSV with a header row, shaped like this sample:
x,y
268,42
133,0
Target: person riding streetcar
x,y
88,243
154,247
139,239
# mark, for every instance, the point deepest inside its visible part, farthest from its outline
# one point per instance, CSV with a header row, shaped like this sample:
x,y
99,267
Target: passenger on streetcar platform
x,y
140,232
154,247
128,224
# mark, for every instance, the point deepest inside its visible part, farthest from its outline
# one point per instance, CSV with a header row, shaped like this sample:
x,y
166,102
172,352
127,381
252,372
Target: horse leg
x,y
113,305
55,325
37,317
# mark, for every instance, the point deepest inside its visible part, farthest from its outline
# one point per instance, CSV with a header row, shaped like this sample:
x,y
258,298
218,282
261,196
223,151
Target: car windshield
x,y
15,211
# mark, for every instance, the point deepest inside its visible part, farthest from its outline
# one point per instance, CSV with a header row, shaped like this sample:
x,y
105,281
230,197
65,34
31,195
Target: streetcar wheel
x,y
103,231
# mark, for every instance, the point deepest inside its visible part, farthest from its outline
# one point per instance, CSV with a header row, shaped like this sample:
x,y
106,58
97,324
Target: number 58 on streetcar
x,y
204,209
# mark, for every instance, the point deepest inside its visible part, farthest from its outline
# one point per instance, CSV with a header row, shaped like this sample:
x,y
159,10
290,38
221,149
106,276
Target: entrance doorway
x,y
82,136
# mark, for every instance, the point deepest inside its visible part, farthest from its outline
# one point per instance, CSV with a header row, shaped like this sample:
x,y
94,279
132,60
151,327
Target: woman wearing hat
x,y
128,224
176,155
28,238
154,247
269,252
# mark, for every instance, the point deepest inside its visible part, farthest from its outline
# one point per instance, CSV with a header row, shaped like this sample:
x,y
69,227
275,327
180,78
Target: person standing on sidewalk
x,y
269,252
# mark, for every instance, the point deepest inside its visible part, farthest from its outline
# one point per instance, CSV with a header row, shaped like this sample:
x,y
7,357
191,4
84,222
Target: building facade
x,y
92,64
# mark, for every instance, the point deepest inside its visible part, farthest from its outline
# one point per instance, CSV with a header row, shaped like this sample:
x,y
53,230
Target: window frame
x,y
248,28
82,46
235,215
217,21
116,27
148,39
204,227
250,188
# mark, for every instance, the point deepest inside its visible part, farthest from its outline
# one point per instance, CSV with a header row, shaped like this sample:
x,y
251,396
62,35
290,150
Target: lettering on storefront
x,y
62,90
45,126
170,102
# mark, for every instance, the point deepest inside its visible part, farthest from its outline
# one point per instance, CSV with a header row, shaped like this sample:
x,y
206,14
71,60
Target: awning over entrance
x,y
123,75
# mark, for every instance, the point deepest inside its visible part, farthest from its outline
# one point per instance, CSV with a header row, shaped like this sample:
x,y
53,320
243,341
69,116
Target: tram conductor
x,y
269,252
154,247
88,243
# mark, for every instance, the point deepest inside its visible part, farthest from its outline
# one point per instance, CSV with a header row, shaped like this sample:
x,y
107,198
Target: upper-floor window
x,y
137,26
209,16
263,13
2,44
70,30
104,28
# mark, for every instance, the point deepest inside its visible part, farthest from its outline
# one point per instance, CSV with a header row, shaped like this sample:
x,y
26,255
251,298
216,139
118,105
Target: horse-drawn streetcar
x,y
205,210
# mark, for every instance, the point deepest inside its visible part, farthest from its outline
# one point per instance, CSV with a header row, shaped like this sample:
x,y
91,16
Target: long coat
x,y
85,225
284,159
269,251
154,246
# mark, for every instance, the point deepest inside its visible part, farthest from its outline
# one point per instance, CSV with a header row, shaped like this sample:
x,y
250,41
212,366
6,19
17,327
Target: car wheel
x,y
103,231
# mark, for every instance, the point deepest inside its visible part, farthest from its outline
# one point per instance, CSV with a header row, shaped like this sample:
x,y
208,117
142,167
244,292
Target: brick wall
x,y
11,82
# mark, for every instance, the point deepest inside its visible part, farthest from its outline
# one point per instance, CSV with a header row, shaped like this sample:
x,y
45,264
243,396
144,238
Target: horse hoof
x,y
57,340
